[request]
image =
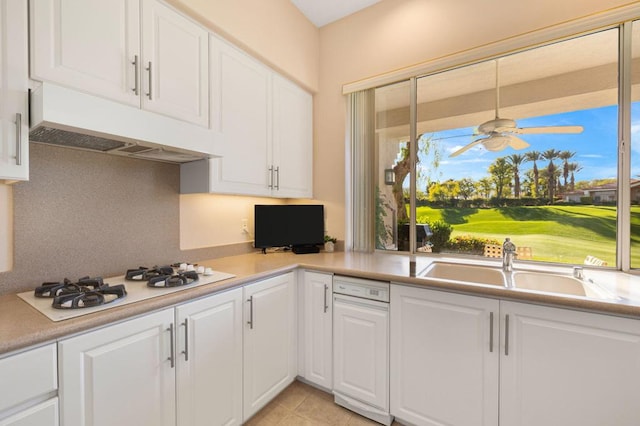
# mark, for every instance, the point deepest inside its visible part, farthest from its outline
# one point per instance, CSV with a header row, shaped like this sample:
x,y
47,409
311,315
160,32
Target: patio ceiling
x,y
572,75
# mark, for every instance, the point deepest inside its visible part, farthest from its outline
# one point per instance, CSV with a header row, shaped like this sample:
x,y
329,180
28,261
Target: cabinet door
x,y
241,116
209,367
444,366
564,367
28,376
175,64
269,340
361,350
120,375
14,121
292,140
43,414
318,324
89,45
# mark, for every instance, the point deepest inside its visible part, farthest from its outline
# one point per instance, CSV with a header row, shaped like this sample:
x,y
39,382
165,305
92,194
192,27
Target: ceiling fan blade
x,y
548,129
466,147
517,143
453,137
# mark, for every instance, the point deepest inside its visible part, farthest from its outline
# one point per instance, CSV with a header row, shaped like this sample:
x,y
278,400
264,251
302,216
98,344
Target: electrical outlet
x,y
245,226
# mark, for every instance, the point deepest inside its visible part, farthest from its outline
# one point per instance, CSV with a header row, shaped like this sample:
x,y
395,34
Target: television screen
x,y
292,225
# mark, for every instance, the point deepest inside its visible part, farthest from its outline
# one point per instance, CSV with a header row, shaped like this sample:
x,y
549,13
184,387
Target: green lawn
x,y
565,234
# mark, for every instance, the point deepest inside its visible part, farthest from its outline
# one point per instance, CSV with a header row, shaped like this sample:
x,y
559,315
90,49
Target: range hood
x,y
65,117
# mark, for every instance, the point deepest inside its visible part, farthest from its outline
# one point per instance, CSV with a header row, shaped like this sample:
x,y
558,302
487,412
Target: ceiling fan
x,y
499,133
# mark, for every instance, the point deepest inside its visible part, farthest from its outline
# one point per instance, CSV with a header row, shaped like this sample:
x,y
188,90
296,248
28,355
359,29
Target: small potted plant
x,y
329,243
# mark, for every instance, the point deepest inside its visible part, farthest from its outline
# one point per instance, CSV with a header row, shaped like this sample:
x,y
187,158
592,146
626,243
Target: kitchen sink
x,y
466,273
550,283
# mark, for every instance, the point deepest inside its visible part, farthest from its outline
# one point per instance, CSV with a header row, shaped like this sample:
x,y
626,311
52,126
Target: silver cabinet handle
x,y
150,95
277,178
186,339
326,306
506,335
491,332
172,357
18,139
136,71
271,177
250,322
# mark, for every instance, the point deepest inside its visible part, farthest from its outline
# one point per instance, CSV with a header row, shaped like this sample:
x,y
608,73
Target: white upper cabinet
x,y
292,140
89,45
175,64
138,52
263,124
241,115
14,119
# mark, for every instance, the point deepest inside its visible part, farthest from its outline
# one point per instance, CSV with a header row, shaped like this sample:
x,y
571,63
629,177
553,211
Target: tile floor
x,y
304,405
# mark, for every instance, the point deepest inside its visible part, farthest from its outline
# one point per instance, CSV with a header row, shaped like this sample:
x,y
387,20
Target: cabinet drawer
x,y
28,375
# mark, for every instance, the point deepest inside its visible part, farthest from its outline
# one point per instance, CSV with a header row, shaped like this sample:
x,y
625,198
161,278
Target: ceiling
x,y
323,12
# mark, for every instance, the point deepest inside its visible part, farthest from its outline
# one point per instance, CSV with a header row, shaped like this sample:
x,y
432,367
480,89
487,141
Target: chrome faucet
x,y
508,253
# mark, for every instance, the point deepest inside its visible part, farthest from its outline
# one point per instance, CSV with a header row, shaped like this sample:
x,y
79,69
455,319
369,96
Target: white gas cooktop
x,y
136,291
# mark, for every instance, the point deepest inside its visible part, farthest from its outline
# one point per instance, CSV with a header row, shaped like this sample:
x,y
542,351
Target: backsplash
x,y
84,213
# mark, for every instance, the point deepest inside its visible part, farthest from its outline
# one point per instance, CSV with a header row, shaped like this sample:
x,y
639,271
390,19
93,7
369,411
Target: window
x,y
522,146
634,178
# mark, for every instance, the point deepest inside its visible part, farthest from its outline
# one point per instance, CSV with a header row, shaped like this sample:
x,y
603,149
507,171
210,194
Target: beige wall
x,y
274,31
395,34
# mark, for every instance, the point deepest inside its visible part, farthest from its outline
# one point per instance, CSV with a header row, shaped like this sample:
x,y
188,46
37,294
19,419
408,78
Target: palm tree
x,y
515,160
573,168
565,156
534,156
551,154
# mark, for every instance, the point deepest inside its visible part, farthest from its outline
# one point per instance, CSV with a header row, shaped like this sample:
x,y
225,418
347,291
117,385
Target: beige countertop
x,y
22,326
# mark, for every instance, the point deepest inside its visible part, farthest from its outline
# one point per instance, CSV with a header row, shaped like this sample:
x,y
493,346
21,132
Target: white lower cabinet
x,y
270,342
28,388
318,328
563,367
209,366
120,375
452,355
43,414
444,358
178,366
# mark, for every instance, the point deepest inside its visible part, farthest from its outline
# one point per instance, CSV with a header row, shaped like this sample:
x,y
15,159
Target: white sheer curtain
x,y
360,170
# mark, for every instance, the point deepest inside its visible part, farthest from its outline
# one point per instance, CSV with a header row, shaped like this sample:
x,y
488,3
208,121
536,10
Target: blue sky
x,y
595,148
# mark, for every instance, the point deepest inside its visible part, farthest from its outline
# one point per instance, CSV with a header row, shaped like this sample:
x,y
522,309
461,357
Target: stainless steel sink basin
x,y
520,280
466,273
550,283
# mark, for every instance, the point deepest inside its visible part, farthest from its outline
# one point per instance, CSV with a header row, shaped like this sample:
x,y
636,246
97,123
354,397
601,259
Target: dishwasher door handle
x,y
356,301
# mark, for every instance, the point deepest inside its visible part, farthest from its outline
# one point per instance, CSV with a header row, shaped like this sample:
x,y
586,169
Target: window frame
x,y
624,27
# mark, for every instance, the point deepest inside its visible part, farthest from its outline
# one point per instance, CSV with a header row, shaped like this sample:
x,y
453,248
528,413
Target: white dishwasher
x,y
361,347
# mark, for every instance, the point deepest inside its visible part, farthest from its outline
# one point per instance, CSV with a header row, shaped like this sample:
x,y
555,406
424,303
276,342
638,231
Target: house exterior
x,y
602,194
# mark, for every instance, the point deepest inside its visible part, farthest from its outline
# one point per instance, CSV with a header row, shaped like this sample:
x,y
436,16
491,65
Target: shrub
x,y
441,233
468,244
586,200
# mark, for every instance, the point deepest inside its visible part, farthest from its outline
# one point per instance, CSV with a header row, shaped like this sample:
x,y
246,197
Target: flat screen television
x,y
299,227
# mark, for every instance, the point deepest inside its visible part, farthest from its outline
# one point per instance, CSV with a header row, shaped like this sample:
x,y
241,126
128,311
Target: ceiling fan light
x,y
497,143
